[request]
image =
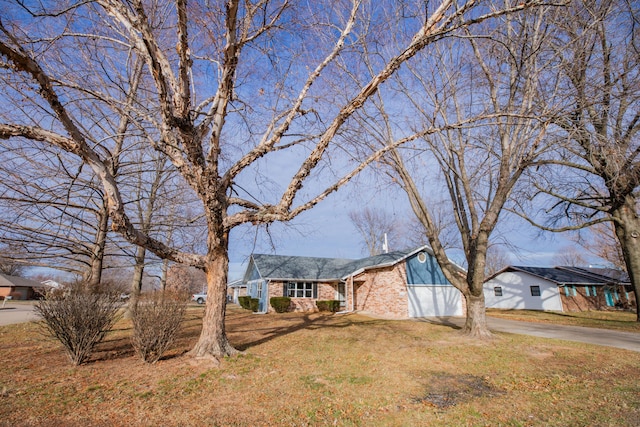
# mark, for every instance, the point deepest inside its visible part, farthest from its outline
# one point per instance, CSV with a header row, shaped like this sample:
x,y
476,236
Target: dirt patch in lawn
x,y
446,389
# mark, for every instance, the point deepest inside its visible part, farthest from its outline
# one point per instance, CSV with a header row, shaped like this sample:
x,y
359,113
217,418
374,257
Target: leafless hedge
x,y
156,320
79,318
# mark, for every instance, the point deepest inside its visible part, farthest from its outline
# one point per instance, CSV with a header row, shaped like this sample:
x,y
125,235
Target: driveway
x,y
16,312
605,337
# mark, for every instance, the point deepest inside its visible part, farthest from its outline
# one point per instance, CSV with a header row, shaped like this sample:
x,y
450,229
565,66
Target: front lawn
x,y
618,320
321,369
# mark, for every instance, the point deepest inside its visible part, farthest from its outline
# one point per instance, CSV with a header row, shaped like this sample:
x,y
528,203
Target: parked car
x,y
199,298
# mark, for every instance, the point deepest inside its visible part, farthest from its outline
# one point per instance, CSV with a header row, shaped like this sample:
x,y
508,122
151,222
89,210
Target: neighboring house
x,y
20,288
399,284
51,284
236,289
558,289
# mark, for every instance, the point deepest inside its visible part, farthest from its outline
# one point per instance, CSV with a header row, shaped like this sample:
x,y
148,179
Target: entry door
x,y
342,295
263,294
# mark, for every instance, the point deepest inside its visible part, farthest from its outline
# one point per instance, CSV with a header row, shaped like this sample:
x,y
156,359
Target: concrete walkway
x,y
604,337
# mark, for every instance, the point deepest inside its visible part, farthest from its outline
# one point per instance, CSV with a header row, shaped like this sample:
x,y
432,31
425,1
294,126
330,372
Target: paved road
x,y
606,337
16,312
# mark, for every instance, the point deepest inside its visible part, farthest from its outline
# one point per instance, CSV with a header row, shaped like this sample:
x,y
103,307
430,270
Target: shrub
x,y
78,317
328,305
245,302
280,304
156,320
254,304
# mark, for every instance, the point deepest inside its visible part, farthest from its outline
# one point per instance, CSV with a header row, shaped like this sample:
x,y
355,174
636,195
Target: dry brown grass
x,y
616,320
321,369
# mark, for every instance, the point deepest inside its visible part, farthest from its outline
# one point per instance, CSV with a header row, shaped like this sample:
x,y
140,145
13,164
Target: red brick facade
x,y
381,291
583,302
326,291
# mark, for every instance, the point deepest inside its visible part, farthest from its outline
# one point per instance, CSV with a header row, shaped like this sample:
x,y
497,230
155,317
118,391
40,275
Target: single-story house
x,y
235,289
398,284
20,288
558,289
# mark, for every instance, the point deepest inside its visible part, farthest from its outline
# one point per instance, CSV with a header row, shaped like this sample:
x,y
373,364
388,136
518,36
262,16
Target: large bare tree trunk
x,y
213,342
476,323
627,227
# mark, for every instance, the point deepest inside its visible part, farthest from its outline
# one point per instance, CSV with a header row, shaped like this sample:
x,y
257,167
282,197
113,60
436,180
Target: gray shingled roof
x,y
609,274
288,267
563,276
8,281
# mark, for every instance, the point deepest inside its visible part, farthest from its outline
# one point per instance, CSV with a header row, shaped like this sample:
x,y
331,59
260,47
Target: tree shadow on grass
x,y
118,348
248,330
452,322
118,345
244,329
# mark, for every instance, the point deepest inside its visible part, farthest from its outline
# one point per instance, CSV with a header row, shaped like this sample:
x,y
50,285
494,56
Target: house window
x,y
586,291
497,290
593,291
535,291
422,257
300,290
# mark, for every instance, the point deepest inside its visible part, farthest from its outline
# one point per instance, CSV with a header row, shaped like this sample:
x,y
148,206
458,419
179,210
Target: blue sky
x,y
327,231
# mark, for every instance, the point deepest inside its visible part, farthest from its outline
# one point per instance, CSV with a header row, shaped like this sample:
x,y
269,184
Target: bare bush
x,y
156,320
79,317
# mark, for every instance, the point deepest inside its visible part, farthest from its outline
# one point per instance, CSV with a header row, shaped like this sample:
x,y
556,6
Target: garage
x,y
434,301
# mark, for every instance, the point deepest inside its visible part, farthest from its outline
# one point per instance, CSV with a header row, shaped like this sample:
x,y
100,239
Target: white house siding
x,y
516,292
434,301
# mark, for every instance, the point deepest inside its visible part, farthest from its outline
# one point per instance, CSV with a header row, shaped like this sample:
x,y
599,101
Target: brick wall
x,y
326,291
581,302
383,292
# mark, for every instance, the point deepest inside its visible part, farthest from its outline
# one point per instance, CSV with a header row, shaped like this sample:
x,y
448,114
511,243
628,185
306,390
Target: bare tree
x,y
497,259
603,243
478,93
229,86
154,195
60,213
377,228
597,173
571,257
52,212
10,261
186,279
